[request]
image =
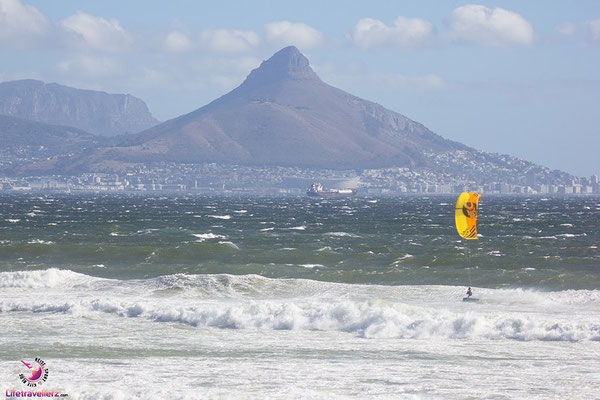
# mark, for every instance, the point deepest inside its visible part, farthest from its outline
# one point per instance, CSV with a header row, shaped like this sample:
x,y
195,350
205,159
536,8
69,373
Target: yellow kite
x,y
465,215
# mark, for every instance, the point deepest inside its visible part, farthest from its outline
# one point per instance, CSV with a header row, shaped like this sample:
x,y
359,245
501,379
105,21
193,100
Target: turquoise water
x,y
531,242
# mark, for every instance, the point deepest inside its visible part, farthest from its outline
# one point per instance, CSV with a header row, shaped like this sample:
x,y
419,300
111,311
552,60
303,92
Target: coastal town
x,y
215,178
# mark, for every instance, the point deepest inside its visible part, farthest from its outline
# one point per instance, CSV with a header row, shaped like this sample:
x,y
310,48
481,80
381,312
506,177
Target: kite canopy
x,y
465,215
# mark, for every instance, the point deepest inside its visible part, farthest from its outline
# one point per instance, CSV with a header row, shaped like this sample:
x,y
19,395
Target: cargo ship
x,y
316,190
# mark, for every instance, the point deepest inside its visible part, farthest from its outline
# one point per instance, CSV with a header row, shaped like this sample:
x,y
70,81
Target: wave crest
x,y
47,278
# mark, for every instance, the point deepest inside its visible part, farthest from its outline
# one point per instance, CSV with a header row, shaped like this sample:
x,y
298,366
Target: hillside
x,y
283,114
96,112
26,141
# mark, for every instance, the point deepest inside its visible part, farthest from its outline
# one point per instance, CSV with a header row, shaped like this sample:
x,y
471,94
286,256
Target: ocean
x,y
258,297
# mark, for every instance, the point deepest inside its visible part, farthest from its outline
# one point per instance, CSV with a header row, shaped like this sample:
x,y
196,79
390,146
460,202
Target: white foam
x,y
146,231
326,248
207,236
309,266
298,228
229,244
369,311
220,216
366,319
40,241
341,234
40,279
400,259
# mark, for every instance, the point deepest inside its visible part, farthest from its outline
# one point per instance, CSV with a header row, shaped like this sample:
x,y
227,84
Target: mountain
x,y
96,112
18,133
283,114
25,140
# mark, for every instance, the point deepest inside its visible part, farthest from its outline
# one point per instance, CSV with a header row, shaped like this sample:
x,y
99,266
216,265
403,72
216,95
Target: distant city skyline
x,y
511,77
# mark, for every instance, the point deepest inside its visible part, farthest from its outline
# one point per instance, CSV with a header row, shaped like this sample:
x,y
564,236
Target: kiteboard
x,y
470,299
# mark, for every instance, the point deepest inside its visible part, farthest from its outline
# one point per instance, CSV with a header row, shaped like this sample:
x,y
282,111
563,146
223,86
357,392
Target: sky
x,y
510,77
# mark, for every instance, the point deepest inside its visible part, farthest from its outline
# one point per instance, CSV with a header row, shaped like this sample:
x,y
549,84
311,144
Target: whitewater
x,y
356,304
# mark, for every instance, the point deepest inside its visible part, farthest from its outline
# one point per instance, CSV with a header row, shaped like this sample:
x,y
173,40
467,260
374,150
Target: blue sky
x,y
514,77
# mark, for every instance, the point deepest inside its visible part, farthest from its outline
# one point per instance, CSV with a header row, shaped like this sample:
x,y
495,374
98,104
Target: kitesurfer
x,y
469,292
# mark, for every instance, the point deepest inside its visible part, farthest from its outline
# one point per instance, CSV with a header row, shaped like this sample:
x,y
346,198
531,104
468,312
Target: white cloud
x,y
229,40
595,28
424,82
489,27
566,29
390,82
90,67
221,73
239,66
177,42
97,33
20,24
293,33
405,33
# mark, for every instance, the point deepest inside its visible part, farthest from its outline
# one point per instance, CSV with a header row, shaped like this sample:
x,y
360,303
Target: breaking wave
x,y
206,236
255,302
48,278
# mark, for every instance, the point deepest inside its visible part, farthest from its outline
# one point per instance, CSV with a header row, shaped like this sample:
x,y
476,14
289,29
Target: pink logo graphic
x,y
38,373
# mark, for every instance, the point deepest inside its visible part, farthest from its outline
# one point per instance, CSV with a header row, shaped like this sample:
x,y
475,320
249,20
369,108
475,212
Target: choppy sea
x,y
187,297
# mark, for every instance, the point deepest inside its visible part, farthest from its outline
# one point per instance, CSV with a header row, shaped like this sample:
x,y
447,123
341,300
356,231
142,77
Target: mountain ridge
x,y
40,142
284,114
93,111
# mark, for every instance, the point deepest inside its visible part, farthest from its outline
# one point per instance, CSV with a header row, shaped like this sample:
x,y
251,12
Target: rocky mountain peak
x,y
287,63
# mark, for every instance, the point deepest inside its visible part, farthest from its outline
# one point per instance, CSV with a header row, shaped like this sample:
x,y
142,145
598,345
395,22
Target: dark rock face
x,y
283,114
92,111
